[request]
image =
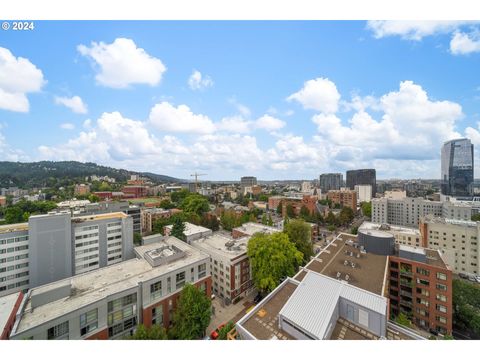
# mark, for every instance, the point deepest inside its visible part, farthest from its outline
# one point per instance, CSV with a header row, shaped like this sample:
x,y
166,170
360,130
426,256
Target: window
x,y
156,290
88,321
58,332
441,276
180,279
157,315
441,308
202,270
169,284
441,297
423,282
423,271
192,275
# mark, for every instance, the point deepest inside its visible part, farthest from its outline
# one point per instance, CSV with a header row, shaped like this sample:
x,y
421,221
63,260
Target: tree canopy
x,y
155,332
272,257
195,203
178,228
466,306
366,209
192,315
300,233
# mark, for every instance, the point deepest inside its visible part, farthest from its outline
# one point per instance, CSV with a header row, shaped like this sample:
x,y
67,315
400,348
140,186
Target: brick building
x,y
347,198
307,201
135,191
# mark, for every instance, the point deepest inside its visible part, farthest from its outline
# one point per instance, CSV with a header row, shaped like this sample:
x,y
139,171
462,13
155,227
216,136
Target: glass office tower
x,y
457,168
362,177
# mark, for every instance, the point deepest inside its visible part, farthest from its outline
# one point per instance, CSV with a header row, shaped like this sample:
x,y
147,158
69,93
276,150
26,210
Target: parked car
x,y
215,333
463,276
472,278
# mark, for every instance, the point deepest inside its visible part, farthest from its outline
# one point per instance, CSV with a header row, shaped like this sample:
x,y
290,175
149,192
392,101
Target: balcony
x,y
405,282
406,293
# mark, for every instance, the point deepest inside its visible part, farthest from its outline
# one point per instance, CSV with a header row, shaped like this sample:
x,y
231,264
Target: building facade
x,y
246,181
109,303
364,193
56,246
458,240
362,177
457,168
347,198
332,181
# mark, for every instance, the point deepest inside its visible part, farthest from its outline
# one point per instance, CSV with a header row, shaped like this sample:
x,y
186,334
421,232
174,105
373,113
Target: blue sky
x,y
279,100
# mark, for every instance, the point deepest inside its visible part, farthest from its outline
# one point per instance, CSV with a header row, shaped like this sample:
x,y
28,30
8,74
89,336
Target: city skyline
x,y
208,96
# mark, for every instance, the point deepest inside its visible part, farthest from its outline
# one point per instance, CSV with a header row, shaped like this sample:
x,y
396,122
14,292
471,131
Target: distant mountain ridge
x,y
46,173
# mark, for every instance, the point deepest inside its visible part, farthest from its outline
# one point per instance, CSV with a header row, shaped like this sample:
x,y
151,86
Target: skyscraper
x,y
362,177
457,167
332,181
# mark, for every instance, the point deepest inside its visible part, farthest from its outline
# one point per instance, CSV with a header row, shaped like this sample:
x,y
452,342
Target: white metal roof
x,y
312,304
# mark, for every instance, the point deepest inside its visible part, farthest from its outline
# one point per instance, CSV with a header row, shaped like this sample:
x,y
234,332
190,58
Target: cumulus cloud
x,y
269,123
75,103
197,81
234,124
166,117
319,94
18,77
413,30
121,64
463,43
67,126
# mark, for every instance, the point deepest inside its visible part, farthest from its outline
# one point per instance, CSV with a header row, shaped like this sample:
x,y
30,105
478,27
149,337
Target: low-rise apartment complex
x,y
108,303
347,198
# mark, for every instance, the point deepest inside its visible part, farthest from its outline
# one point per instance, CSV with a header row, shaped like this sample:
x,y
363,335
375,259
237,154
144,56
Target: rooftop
x,y
99,284
191,229
13,227
441,220
7,304
251,228
366,225
223,245
107,216
431,257
343,261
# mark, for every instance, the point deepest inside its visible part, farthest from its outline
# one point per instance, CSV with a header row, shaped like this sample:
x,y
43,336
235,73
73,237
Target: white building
x,y
403,235
364,193
192,232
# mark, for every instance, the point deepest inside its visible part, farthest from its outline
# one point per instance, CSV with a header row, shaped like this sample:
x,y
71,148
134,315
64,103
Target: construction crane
x,y
196,175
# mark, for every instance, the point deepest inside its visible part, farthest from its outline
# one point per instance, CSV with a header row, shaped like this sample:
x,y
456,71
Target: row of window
x,y
14,285
13,240
13,258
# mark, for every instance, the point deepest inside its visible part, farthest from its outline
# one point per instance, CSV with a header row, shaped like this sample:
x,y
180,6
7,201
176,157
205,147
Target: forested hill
x,y
61,173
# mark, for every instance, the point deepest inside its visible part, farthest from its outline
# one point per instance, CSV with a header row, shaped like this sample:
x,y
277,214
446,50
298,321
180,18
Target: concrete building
x,y
403,212
364,193
192,232
250,228
457,168
402,235
109,303
333,181
362,177
55,246
395,194
458,240
105,207
247,181
347,198
229,265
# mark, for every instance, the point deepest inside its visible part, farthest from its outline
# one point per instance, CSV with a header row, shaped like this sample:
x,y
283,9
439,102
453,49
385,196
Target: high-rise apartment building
x,y
362,177
55,246
332,181
364,193
458,240
457,168
247,181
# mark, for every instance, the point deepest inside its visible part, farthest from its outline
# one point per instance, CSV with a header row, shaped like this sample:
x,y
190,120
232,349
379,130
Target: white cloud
x,y
74,103
122,64
234,124
166,117
18,77
87,124
319,94
67,126
197,81
269,123
242,109
413,30
463,43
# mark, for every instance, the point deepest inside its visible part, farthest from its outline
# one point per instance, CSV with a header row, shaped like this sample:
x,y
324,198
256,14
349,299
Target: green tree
x,y
466,306
104,186
305,213
93,198
178,228
270,221
192,315
137,238
158,225
354,230
264,219
346,216
13,215
178,196
300,233
366,209
166,204
222,334
155,332
402,319
272,257
195,203
331,227
210,221
290,211
279,208
228,220
331,219
476,217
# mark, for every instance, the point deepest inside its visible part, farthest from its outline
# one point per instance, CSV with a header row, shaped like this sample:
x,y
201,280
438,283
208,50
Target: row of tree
x,y
21,211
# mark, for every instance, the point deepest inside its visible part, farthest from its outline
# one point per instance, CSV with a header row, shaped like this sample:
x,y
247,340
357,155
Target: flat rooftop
x,y
432,257
345,330
223,245
341,260
366,225
191,229
96,285
13,227
263,324
7,303
440,220
106,216
251,228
